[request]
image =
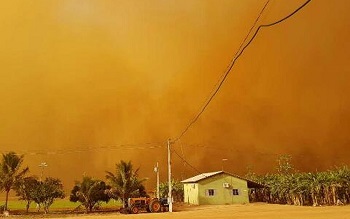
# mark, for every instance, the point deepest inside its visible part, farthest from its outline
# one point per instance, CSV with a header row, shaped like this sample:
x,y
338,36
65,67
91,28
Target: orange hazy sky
x,y
86,83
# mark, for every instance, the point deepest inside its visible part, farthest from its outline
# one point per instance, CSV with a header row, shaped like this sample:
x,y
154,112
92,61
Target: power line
x,y
220,82
143,146
224,76
184,160
206,147
183,155
233,61
296,155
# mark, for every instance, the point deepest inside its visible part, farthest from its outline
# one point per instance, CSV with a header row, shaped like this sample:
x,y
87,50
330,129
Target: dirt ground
x,y
250,211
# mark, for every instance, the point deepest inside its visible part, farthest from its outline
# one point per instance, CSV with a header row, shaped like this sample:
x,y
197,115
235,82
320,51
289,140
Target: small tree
x,y
177,190
89,192
25,189
44,193
41,192
250,173
10,172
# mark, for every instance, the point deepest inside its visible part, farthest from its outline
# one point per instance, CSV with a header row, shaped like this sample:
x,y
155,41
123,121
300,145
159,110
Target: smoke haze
x,y
85,84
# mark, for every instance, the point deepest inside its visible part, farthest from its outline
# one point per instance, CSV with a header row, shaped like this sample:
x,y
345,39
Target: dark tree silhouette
x,y
125,182
89,192
10,172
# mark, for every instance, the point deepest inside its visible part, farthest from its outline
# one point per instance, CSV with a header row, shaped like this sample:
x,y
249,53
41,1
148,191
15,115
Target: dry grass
x,y
250,211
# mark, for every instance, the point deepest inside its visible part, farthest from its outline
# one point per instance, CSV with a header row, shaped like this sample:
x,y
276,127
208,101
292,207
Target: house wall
x,y
191,193
222,195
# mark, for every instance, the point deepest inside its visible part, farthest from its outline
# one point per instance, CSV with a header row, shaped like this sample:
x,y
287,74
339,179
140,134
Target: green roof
x,y
202,176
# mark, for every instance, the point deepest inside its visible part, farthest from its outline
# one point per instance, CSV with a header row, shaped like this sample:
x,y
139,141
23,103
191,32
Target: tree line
x,y
121,184
28,188
290,186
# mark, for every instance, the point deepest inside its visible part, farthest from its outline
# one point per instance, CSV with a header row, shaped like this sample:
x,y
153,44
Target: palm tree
x,y
330,187
125,182
343,190
10,172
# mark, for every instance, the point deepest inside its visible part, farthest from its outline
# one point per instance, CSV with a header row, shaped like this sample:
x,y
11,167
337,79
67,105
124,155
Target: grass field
x,y
59,204
248,211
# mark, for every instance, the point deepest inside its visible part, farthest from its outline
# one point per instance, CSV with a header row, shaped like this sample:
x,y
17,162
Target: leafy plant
x,y
177,190
10,173
89,192
45,192
125,183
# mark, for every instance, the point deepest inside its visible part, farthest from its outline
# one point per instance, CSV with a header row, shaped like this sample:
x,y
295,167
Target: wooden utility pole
x,y
42,165
156,169
222,163
170,198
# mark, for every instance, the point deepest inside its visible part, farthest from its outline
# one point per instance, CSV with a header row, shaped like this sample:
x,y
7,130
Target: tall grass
x,y
60,204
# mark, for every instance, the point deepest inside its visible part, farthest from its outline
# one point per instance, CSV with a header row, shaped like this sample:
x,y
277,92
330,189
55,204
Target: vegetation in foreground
x,y
10,173
125,183
90,193
177,190
289,186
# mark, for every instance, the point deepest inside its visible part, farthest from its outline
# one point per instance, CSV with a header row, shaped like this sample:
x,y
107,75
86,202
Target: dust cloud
x,y
85,84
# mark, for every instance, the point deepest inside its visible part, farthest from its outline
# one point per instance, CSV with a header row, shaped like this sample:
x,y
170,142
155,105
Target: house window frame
x,y
235,192
210,192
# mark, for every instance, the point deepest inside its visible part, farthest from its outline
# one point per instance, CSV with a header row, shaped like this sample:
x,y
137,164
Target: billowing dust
x,y
85,84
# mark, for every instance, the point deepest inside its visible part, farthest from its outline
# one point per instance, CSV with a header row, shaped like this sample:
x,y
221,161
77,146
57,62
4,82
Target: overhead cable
x,y
143,146
233,61
184,160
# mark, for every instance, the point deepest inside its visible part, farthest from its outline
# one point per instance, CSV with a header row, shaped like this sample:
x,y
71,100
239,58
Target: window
x,y
235,192
210,192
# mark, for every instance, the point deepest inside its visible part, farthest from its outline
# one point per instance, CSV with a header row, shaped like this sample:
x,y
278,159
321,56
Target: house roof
x,y
203,176
200,177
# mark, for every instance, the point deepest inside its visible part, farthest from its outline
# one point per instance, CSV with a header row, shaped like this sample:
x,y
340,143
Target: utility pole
x,y
42,165
156,169
222,163
170,197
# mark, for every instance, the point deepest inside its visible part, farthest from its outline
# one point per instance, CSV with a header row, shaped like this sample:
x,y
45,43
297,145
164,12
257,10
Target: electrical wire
x,y
143,146
183,155
239,53
156,145
184,160
272,155
236,151
224,76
